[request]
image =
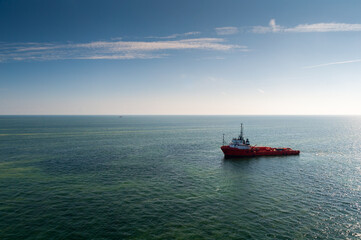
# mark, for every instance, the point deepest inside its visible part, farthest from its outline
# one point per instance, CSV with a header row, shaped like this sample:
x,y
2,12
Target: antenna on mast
x,y
241,136
223,140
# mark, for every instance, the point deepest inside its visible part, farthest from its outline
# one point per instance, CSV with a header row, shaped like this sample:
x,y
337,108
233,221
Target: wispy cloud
x,y
176,35
226,30
272,27
109,49
325,27
316,27
333,63
260,90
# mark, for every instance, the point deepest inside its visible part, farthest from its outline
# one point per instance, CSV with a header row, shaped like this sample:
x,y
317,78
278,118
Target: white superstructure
x,y
239,142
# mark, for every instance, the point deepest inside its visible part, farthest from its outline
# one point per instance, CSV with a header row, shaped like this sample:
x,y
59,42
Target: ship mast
x,y
241,135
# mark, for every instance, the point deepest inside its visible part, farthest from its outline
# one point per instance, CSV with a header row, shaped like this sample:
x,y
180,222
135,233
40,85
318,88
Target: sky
x,y
167,57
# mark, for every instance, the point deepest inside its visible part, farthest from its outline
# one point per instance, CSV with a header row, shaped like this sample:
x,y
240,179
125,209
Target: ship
x,y
240,147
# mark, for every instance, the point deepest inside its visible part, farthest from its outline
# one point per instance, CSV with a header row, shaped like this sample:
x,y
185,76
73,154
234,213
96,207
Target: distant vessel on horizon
x,y
239,147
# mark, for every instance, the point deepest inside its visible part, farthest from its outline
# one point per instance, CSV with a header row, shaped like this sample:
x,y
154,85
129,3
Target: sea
x,y
165,177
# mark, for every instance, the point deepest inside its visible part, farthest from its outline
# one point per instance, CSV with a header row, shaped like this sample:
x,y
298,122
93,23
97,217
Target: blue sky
x,y
180,57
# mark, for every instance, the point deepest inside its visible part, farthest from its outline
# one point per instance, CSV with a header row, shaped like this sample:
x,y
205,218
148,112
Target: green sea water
x,y
164,177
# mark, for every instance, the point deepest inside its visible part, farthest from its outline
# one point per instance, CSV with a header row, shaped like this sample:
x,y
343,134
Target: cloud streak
x,y
303,28
272,27
177,35
333,63
226,30
109,49
325,27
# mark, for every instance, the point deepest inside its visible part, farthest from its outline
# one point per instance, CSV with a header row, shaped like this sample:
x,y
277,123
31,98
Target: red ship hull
x,y
257,151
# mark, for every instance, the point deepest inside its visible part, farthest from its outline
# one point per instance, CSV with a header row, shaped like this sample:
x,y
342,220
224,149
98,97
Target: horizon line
x,y
123,115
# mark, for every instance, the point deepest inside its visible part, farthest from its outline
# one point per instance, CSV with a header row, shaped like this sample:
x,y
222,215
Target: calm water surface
x,y
164,177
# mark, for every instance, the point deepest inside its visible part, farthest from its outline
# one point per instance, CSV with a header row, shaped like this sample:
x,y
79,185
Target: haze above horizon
x,y
180,57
